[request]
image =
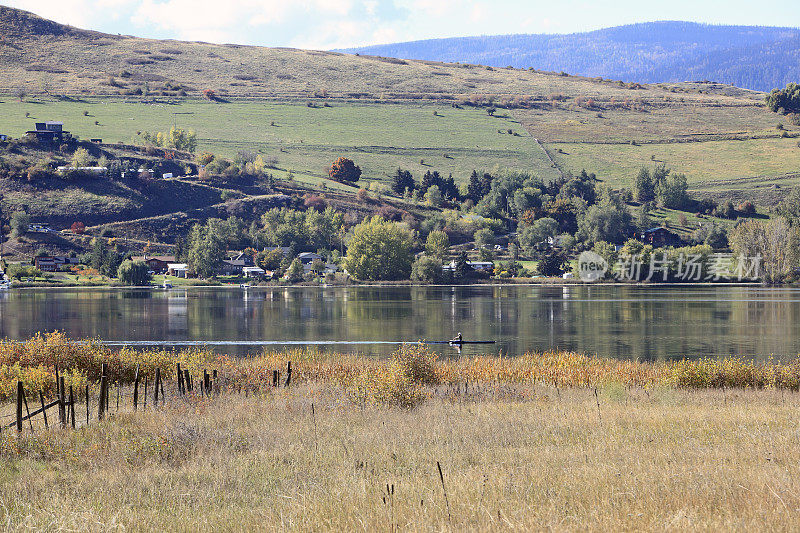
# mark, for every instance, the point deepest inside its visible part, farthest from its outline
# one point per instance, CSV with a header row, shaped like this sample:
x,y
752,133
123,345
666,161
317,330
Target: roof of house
x,y
283,249
164,258
659,228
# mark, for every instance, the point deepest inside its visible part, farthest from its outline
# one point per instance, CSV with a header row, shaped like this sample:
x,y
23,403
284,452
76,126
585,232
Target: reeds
x,y
403,379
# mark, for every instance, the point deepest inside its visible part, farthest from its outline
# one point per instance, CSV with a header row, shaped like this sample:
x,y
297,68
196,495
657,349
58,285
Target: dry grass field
x,y
513,458
554,441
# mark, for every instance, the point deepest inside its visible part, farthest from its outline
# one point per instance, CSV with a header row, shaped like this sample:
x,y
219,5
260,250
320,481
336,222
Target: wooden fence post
x,y
58,384
44,413
214,382
206,381
275,377
102,401
157,383
62,403
145,391
187,381
19,406
181,386
72,405
136,388
27,410
87,404
288,373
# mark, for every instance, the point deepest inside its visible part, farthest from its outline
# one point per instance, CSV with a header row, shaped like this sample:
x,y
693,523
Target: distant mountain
x,y
753,57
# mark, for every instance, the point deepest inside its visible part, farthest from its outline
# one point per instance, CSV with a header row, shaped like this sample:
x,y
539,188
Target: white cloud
x,y
73,12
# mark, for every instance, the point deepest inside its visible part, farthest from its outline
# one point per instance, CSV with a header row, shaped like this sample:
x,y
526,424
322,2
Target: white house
x,y
254,272
179,270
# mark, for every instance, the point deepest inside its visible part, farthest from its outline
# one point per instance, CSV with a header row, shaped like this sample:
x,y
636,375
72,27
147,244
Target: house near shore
x,y
658,237
483,267
246,260
254,272
307,259
156,263
179,270
54,263
50,132
231,267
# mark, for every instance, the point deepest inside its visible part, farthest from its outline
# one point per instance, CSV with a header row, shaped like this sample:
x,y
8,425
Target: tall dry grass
x,y
399,380
514,457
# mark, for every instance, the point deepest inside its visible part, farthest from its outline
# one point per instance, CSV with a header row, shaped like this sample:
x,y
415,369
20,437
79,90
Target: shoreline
x,y
555,282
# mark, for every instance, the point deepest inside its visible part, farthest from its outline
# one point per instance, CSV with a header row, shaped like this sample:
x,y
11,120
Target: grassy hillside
x,y
39,55
379,137
734,148
303,109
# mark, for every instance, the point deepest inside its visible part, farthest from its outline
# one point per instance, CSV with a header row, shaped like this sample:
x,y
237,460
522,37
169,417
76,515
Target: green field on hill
x,y
702,162
379,137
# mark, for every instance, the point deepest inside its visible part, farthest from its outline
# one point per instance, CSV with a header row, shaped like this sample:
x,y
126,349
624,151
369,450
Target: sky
x,y
328,24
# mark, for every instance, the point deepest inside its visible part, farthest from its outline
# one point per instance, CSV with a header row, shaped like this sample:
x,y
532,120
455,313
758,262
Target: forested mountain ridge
x,y
754,57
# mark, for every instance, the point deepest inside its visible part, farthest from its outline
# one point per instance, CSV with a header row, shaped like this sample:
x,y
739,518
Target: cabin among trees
x,y
659,237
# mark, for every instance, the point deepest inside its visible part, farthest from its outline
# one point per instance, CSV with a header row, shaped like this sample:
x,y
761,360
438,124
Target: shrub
x,y
746,208
19,223
399,382
552,264
133,273
19,271
315,201
345,171
426,269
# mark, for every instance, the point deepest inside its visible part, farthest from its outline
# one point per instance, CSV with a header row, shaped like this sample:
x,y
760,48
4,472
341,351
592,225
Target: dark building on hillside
x,y
156,263
49,132
658,237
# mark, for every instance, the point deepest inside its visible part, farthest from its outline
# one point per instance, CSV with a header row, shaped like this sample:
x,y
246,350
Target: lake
x,y
617,321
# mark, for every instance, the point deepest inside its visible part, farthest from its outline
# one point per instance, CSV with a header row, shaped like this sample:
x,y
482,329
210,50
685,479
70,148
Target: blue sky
x,y
326,24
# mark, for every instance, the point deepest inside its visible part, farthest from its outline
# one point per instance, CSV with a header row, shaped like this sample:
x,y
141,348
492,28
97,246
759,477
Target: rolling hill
x,y
755,57
38,55
301,109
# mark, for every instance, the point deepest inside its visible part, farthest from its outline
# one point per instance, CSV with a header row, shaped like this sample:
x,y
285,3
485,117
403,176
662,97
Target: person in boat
x,y
457,340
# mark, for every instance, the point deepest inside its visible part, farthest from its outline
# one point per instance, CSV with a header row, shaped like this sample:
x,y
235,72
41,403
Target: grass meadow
x,y
379,137
556,441
512,458
702,162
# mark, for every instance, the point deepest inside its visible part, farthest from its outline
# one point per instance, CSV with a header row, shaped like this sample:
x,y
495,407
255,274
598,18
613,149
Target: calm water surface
x,y
623,322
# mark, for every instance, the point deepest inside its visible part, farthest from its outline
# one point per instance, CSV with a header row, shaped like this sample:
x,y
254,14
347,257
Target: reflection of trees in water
x,y
642,322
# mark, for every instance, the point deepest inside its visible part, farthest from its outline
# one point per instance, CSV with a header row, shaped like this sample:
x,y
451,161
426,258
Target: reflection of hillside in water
x,y
625,322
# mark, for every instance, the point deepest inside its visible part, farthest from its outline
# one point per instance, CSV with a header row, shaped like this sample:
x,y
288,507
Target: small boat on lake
x,y
459,341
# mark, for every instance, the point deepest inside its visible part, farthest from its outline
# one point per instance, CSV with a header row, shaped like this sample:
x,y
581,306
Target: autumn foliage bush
x,y
344,171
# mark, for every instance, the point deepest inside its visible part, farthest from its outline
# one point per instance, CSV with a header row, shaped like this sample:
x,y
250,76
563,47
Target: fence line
x,y
209,386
